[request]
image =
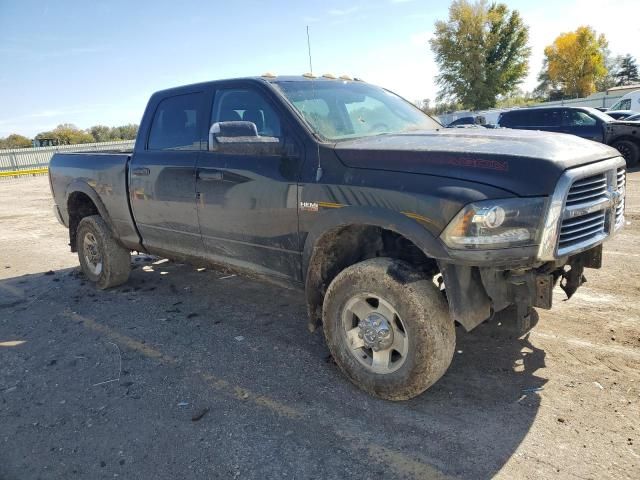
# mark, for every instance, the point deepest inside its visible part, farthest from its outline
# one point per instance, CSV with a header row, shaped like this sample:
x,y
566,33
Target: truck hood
x,y
630,123
524,162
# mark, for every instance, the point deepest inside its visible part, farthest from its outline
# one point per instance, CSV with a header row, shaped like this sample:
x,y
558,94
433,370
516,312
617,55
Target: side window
x,y
622,105
248,106
520,119
576,118
506,120
510,119
551,118
175,123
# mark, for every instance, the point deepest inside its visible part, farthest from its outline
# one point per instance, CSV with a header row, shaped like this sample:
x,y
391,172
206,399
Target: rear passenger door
x,y
162,176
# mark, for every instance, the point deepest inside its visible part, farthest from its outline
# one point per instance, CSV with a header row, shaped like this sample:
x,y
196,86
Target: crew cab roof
x,y
257,79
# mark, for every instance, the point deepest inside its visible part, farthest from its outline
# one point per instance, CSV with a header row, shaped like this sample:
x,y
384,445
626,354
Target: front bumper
x,y
56,212
586,209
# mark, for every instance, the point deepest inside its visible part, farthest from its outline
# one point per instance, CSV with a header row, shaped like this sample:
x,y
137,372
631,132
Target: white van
x,y
630,101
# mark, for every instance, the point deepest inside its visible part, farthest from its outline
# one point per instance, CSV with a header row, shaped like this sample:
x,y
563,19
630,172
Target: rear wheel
x,y
102,259
388,328
629,150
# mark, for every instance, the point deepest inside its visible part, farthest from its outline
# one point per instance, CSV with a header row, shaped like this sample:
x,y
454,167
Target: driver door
x,y
247,198
584,125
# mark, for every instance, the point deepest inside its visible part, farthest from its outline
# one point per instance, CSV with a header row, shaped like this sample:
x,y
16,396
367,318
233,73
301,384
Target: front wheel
x,y
102,259
629,150
388,328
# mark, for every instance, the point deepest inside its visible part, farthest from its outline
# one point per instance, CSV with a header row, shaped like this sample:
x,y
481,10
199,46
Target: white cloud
x,y
340,12
421,39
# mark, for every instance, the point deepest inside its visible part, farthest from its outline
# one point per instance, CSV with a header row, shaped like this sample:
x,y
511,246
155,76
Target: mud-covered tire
x,y
102,259
629,150
424,315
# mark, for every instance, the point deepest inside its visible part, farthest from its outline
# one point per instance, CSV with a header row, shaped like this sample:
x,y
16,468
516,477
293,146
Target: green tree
x,y
547,89
15,141
627,73
67,134
124,132
575,61
101,133
612,64
481,51
517,98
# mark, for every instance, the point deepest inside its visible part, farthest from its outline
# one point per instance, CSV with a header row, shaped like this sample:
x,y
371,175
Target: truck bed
x,y
102,176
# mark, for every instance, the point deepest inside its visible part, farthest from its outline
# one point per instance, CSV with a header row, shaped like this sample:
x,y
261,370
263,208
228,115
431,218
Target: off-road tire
x,y
425,316
116,260
629,150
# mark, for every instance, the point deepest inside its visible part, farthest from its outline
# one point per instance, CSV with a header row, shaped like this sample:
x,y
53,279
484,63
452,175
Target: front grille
x,y
579,229
586,207
621,182
588,190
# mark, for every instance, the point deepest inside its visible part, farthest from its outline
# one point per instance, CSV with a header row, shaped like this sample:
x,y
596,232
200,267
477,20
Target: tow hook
x,y
572,279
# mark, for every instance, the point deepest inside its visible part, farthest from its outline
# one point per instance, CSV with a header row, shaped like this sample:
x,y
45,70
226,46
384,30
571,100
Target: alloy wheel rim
x,y
375,334
92,255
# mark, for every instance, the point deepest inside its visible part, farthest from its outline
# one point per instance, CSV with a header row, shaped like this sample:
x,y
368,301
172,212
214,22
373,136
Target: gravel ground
x,y
192,373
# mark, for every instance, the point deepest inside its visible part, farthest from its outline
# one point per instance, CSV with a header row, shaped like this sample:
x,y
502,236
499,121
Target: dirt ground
x,y
188,373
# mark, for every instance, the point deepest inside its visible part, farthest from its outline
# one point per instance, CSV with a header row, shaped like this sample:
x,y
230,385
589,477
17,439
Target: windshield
x,y
598,114
338,110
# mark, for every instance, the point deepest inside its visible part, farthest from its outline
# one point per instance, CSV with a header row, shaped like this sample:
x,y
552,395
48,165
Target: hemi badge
x,y
309,206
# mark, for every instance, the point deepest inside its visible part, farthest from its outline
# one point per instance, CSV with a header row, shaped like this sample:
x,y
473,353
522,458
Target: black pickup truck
x,y
394,226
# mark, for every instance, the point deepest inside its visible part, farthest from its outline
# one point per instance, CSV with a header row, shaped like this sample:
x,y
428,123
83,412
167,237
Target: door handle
x,y
139,172
209,175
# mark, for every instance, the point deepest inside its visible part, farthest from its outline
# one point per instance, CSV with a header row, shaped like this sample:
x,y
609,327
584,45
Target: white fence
x,y
17,159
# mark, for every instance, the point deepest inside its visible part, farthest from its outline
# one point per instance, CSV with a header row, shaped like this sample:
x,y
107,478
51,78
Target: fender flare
x,y
330,220
81,186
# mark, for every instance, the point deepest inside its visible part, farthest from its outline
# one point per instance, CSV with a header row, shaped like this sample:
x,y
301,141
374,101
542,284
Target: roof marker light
x,y
330,76
308,75
269,75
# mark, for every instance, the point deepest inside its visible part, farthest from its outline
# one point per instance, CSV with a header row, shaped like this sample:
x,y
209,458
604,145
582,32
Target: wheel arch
x,y
628,138
342,237
81,201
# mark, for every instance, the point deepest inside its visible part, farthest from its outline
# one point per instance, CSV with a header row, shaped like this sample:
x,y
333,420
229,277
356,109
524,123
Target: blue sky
x,y
95,62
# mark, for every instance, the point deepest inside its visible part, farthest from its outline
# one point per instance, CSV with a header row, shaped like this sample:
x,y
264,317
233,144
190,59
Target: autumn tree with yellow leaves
x,y
575,61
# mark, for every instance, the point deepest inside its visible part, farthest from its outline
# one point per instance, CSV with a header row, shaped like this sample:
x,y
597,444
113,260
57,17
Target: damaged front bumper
x,y
585,210
475,293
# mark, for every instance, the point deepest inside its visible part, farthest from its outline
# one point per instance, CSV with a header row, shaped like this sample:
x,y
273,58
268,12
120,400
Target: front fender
x,y
411,227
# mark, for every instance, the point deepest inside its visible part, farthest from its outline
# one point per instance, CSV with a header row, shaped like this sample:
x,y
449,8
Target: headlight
x,y
496,224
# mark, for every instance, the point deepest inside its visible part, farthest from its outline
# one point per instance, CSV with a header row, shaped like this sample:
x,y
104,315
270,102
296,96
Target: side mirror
x,y
242,138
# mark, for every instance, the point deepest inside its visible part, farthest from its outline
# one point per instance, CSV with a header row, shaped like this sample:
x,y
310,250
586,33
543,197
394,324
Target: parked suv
x,y
584,122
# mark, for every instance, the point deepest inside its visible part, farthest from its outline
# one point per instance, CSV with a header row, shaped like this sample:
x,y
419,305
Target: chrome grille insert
x,y
585,208
582,228
621,183
588,190
585,213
